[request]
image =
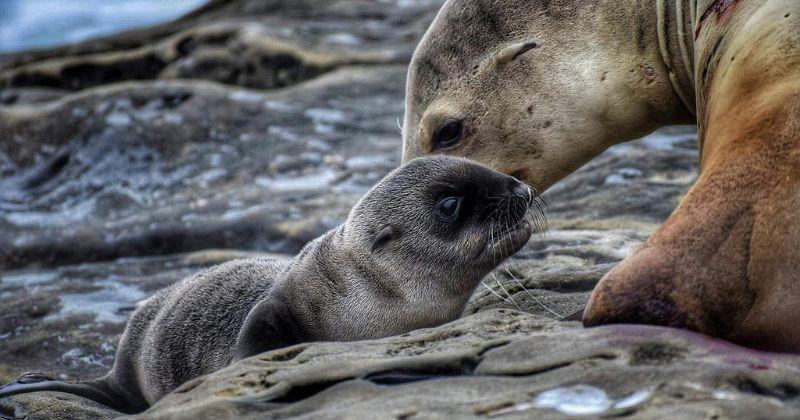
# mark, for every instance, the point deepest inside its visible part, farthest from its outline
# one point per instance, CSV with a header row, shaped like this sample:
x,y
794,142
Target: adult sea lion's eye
x,y
448,208
448,134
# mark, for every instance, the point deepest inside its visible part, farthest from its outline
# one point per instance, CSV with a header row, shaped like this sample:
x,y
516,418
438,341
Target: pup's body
x,y
409,256
189,329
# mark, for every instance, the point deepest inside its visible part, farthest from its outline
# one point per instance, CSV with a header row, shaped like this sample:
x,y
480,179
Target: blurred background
x,y
26,24
141,141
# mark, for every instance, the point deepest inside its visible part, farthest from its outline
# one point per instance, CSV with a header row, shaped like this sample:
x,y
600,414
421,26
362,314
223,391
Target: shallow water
x,y
28,24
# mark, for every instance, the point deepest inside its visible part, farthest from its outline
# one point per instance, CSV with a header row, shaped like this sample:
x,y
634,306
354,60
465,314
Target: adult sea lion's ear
x,y
511,52
386,234
270,325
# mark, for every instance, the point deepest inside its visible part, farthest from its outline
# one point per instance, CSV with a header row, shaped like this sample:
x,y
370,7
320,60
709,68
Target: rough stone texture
x,y
490,364
250,127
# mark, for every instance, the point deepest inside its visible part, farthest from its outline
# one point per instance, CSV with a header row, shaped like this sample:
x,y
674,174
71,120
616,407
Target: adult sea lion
x,y
536,88
409,256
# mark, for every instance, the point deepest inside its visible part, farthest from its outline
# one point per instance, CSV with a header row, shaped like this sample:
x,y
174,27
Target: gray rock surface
x,y
250,127
500,363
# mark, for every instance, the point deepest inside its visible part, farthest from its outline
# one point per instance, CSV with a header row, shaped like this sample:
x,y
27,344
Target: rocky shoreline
x,y
249,127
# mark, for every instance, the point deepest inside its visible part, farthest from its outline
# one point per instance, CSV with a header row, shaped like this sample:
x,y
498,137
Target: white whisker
x,y
511,299
535,299
492,291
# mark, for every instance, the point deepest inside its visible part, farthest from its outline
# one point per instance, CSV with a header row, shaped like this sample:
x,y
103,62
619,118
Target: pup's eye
x,y
448,208
448,134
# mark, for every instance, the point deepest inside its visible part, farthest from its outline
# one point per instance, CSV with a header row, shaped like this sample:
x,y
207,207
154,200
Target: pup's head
x,y
409,256
444,220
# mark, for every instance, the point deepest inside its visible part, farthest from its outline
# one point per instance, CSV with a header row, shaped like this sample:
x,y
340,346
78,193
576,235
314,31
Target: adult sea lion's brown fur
x,y
602,72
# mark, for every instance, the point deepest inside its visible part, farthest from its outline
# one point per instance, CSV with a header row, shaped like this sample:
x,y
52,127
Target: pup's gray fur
x,y
396,264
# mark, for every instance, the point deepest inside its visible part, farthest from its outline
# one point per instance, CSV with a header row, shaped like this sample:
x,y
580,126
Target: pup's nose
x,y
519,189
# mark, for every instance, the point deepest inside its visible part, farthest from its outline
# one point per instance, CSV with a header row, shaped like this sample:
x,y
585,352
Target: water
x,y
581,400
575,401
26,24
108,304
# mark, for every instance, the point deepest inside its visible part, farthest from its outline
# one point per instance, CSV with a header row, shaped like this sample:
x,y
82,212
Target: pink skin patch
x,y
720,8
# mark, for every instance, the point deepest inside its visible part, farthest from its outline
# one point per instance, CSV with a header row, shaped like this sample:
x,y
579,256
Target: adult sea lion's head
x,y
536,88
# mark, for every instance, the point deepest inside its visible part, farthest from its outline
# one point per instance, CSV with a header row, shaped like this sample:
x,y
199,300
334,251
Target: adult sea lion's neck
x,y
675,29
646,50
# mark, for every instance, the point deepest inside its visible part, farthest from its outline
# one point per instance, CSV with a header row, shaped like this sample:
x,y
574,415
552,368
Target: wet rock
x,y
66,321
633,184
158,168
134,162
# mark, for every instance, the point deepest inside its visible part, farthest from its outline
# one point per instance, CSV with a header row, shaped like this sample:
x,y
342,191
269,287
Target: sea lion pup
x,y
409,256
536,88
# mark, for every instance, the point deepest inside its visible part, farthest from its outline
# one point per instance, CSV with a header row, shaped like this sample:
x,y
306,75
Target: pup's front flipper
x,y
36,382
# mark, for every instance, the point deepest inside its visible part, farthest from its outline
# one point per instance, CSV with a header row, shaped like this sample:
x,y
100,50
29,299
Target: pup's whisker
x,y
532,296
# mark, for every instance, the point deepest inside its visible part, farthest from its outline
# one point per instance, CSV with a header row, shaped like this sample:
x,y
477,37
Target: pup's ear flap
x,y
270,325
511,52
386,234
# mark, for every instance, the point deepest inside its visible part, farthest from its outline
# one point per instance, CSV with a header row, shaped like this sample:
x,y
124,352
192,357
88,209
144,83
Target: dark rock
x,y
497,363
